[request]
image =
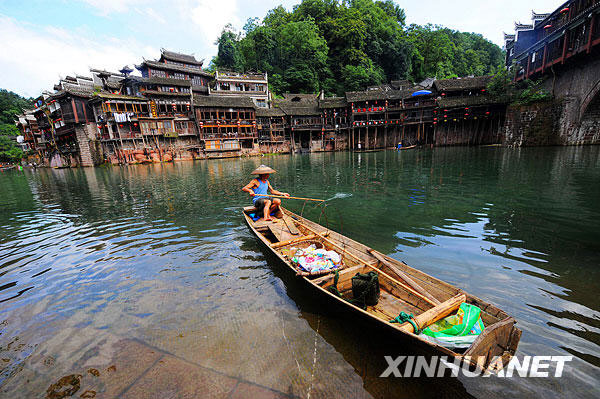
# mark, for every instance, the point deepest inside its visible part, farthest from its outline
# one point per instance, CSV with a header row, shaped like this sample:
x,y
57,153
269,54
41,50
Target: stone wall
x,y
90,150
531,125
577,89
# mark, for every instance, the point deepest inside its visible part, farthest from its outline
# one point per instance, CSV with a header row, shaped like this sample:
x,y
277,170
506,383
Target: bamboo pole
x,y
293,241
356,258
284,197
402,275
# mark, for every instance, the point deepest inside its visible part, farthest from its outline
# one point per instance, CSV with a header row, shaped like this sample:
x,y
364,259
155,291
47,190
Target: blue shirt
x,y
262,188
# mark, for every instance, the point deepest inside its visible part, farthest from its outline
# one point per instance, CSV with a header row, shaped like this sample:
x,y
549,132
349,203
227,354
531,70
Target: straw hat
x,y
263,170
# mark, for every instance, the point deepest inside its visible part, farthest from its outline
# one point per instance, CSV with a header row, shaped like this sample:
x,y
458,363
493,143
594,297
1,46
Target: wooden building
x,y
253,85
172,65
377,115
305,121
336,123
570,32
66,123
272,133
227,125
465,113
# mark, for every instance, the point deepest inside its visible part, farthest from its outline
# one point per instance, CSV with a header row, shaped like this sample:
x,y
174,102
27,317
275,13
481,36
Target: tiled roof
x,y
113,85
377,94
298,104
468,101
173,56
168,81
260,111
300,97
299,110
74,91
173,67
401,84
164,93
104,95
333,102
478,82
223,102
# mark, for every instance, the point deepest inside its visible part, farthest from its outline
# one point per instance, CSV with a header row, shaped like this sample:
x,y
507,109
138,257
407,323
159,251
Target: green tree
x,y
11,105
338,46
228,55
9,152
302,57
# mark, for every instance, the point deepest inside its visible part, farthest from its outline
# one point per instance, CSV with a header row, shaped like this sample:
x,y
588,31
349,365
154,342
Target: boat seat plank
x,y
394,306
291,225
280,231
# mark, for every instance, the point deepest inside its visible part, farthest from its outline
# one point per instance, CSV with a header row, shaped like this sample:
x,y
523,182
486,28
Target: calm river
x,y
143,281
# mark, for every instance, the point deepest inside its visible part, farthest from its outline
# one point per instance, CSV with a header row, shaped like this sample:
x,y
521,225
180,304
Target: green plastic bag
x,y
457,331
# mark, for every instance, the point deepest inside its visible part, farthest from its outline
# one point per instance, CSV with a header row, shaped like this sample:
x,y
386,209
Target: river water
x,y
143,281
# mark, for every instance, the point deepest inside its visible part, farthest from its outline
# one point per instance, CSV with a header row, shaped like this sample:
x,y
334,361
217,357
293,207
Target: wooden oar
x,y
402,275
296,198
359,260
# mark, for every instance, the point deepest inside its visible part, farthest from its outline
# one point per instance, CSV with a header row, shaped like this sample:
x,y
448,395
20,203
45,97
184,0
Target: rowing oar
x,y
297,198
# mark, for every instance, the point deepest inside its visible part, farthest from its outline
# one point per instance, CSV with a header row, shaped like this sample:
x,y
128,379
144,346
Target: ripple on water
x,y
159,253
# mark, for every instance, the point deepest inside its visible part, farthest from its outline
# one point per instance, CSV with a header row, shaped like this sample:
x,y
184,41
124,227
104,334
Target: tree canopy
x,y
11,105
343,46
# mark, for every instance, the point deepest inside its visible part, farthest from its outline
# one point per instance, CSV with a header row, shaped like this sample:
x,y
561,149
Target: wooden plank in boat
x,y
291,225
393,305
280,231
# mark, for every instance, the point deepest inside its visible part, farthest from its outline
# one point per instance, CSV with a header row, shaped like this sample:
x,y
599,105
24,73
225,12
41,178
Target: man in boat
x,y
259,188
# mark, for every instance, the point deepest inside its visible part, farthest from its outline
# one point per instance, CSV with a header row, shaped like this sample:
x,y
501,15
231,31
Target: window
x,y
159,73
197,81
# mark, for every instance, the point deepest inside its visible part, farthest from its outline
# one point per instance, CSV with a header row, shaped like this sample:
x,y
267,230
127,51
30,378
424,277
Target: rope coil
x,y
407,317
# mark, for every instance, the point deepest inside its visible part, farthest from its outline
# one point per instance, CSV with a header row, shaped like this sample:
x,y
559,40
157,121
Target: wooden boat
x,y
410,147
371,150
402,289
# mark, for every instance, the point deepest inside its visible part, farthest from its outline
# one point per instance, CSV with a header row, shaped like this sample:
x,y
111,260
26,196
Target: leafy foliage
x,y
532,92
11,104
341,46
503,89
9,150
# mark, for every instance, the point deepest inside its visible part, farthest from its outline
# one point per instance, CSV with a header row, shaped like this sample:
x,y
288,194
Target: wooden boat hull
x,y
493,348
408,148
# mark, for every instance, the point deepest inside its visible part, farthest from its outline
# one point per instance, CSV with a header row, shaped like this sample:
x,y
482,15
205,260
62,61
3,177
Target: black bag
x,y
365,289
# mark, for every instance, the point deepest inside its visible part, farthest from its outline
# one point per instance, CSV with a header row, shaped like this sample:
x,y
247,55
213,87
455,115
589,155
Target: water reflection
x,y
159,254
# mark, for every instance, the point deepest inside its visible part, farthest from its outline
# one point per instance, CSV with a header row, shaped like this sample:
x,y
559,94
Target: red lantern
x,y
564,10
548,26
